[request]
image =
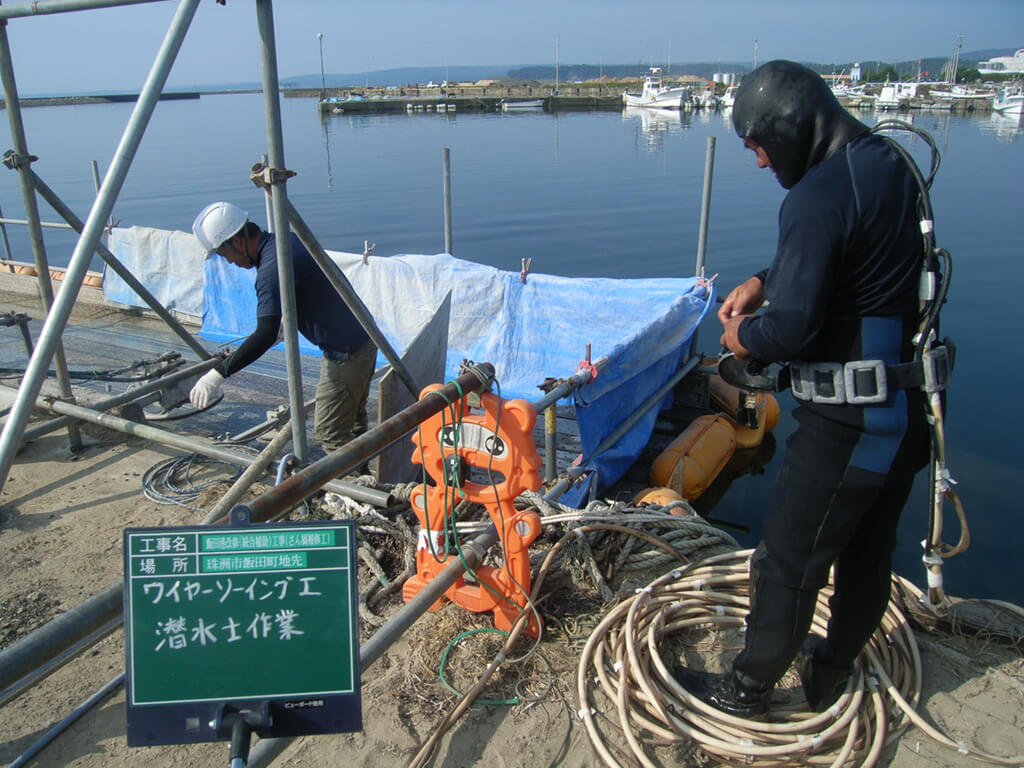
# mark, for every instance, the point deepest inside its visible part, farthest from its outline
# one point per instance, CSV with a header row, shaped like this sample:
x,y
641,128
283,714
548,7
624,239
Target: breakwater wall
x,y
605,95
106,98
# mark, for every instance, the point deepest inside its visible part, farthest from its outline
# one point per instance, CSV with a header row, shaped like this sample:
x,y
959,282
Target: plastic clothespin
x,y
525,269
708,281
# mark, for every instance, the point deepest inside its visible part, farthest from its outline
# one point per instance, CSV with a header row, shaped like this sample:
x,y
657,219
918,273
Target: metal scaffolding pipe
x,y
44,7
302,484
267,202
52,665
3,237
705,215
550,443
162,436
64,724
128,396
112,261
53,638
21,161
265,750
344,288
447,165
253,472
277,178
705,208
198,445
567,386
26,222
61,310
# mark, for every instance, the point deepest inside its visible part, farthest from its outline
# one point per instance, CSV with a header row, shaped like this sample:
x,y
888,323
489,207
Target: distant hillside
x,y
569,72
566,72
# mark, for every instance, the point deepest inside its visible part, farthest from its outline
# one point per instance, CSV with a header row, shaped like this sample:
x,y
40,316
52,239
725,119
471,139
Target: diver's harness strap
x,y
866,382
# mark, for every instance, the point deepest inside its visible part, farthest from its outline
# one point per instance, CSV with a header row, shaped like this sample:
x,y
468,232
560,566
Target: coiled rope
x,y
622,661
588,522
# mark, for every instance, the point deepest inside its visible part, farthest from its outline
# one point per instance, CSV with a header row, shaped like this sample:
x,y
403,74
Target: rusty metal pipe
x,y
302,484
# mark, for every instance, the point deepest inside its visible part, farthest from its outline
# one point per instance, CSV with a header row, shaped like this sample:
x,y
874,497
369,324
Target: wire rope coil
x,y
622,670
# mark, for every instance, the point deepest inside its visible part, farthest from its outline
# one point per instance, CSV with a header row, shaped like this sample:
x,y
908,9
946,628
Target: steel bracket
x,y
263,175
14,161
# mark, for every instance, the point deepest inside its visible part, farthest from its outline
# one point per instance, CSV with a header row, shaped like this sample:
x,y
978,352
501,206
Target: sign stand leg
x,y
241,724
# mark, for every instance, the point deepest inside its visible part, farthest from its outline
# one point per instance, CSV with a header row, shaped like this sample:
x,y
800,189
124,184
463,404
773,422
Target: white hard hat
x,y
216,224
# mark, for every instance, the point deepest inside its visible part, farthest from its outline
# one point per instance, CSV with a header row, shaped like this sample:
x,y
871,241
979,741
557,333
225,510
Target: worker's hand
x,y
730,336
743,300
206,389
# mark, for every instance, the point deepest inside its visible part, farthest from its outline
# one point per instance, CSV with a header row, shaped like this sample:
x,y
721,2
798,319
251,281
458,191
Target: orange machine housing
x,y
498,440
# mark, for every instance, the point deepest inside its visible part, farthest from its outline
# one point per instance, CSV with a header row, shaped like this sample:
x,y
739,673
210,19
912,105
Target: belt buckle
x,y
799,386
937,369
876,367
835,371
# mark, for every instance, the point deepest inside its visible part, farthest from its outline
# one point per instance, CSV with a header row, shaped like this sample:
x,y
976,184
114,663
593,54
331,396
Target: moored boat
x,y
729,97
1009,100
508,105
656,95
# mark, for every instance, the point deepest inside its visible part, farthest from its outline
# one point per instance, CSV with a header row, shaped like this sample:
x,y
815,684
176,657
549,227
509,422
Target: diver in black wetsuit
x,y
840,295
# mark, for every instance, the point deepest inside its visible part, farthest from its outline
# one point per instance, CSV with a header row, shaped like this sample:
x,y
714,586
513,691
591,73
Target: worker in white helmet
x,y
349,356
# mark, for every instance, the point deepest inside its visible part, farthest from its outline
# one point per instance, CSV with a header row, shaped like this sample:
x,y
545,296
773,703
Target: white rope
x,y
621,668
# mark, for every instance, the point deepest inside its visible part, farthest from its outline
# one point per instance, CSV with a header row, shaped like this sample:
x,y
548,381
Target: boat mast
x,y
557,40
954,62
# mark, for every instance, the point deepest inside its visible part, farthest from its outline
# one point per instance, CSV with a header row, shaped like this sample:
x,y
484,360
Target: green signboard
x,y
241,616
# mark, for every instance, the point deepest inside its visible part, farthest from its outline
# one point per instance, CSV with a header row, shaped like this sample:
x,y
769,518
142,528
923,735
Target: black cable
x,y
170,481
110,375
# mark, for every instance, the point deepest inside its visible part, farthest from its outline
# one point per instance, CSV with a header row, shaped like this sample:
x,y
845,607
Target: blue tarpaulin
x,y
528,330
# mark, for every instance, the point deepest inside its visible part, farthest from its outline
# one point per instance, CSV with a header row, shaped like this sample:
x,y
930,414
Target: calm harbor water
x,y
605,194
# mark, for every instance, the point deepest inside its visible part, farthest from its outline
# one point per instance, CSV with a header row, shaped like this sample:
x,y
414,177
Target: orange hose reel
x,y
499,439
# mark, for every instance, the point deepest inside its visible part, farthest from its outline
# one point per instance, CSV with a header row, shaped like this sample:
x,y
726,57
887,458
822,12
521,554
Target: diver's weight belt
x,y
866,382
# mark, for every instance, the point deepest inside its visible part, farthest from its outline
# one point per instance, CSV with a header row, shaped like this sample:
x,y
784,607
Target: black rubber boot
x,y
823,682
731,692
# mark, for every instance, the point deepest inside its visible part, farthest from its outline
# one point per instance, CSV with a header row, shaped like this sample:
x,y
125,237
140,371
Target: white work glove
x,y
206,389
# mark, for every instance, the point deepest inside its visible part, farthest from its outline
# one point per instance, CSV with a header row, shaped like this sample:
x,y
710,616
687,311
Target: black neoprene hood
x,y
793,114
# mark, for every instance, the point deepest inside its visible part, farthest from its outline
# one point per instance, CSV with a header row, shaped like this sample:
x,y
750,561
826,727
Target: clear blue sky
x,y
113,49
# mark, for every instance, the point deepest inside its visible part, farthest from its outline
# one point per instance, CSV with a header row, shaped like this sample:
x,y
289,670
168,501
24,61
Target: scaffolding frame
x,y
273,178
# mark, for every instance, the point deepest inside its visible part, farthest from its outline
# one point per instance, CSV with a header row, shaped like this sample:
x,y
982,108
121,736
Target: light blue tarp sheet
x,y
169,264
529,331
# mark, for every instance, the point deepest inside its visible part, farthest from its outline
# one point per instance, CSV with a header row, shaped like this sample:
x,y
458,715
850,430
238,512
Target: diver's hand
x,y
730,336
743,300
206,389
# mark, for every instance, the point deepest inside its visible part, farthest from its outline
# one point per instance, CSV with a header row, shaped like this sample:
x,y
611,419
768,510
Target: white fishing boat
x,y
655,95
1009,100
707,99
515,105
896,95
729,97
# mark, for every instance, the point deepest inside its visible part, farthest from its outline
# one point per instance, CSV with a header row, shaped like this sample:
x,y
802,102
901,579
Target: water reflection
x,y
726,115
327,150
1006,127
656,123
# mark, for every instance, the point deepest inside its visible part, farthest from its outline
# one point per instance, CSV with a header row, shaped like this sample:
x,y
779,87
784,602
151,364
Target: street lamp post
x,y
323,86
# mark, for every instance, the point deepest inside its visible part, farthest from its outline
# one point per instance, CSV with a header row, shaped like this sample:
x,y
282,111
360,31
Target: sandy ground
x,y
60,532
61,521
